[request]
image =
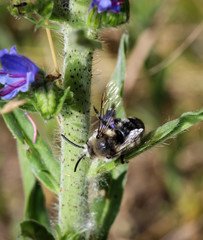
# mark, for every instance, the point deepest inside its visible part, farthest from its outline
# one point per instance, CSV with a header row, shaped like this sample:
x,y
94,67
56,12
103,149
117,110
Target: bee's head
x,y
100,146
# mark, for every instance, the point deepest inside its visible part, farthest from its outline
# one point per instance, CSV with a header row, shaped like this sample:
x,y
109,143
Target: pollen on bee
x,y
61,189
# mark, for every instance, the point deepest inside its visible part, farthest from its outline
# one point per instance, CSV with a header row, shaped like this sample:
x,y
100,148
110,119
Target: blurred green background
x,y
163,198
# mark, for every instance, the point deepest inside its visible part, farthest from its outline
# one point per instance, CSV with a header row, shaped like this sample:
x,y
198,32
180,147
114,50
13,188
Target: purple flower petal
x,y
17,64
8,92
2,52
17,73
30,78
104,5
10,79
13,50
3,77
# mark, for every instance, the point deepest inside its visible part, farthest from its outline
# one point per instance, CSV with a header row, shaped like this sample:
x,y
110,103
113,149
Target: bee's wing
x,y
111,97
109,102
131,138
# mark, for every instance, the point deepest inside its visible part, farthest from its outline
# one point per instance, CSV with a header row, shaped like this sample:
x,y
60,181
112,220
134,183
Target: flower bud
x,y
48,99
29,8
108,13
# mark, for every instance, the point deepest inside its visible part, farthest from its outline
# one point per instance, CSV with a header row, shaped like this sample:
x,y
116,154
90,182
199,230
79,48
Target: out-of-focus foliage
x,y
164,191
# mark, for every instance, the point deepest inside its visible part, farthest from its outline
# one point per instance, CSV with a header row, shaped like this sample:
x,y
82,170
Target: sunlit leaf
x,y
34,198
44,165
118,76
35,207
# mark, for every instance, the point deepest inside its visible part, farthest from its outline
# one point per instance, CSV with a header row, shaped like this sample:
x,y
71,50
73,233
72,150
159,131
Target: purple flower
x,y
17,73
107,5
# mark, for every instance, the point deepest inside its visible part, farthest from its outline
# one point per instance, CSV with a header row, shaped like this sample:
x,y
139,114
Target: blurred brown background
x,y
163,198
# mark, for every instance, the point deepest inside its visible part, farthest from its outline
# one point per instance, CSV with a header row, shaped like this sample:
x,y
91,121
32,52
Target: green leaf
x,y
34,199
65,98
43,163
44,8
167,131
69,235
118,76
153,138
28,106
13,126
106,207
74,236
26,172
35,207
41,171
119,73
35,231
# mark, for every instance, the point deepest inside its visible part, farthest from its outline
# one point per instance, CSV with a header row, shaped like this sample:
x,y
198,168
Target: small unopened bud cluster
x,y
108,13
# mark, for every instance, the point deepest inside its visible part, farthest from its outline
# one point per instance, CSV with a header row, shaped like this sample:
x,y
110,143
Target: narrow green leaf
x,y
28,107
12,124
69,235
40,147
41,172
67,98
35,231
35,207
118,76
106,207
43,163
167,131
34,199
119,73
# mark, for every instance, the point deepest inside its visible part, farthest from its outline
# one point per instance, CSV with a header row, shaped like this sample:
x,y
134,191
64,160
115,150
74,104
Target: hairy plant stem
x,y
73,202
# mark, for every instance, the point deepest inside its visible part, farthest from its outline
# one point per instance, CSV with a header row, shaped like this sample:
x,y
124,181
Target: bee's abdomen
x,y
135,123
125,126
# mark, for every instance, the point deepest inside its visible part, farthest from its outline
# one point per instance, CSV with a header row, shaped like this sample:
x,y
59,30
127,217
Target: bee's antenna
x,y
97,113
67,140
76,165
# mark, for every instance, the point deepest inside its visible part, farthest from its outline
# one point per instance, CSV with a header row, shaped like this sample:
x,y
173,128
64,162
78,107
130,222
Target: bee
x,y
114,136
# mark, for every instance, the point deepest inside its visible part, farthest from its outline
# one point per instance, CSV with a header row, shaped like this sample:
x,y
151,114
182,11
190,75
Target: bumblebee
x,y
114,136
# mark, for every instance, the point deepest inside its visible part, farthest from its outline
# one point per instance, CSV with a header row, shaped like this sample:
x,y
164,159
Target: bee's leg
x,y
122,159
